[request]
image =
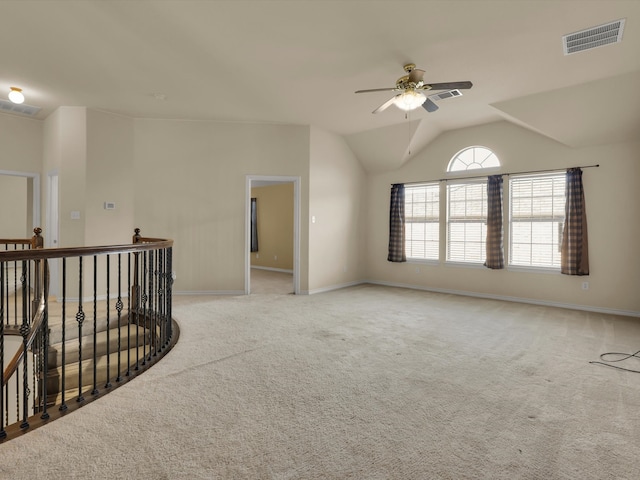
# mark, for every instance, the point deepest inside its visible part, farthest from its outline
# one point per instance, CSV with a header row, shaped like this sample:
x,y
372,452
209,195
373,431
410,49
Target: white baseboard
x,y
209,292
331,288
271,269
571,306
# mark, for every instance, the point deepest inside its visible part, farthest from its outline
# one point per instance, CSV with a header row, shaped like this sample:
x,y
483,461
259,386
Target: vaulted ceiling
x,y
300,62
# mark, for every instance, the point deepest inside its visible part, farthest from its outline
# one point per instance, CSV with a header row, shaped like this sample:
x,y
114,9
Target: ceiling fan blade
x,y
390,89
415,75
447,86
429,105
385,105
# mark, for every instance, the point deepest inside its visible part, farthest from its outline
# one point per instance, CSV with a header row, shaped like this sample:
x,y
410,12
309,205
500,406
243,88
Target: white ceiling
x,y
299,62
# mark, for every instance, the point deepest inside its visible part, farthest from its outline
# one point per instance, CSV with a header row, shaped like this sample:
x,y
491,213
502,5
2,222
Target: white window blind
x,y
466,222
536,219
422,221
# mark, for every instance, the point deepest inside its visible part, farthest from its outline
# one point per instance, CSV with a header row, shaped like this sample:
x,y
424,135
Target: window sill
x,y
423,261
465,265
547,270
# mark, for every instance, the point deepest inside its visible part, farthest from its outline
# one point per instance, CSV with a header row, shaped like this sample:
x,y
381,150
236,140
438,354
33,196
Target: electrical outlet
x,y
275,257
585,285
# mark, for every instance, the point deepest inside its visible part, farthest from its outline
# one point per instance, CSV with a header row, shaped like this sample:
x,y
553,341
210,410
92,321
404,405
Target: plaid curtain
x,y
494,244
574,252
396,224
254,225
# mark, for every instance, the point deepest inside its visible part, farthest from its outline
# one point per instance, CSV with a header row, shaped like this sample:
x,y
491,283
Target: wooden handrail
x,y
36,241
81,251
38,319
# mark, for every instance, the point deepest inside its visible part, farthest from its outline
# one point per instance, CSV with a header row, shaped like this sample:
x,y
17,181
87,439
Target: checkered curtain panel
x,y
396,224
495,246
574,252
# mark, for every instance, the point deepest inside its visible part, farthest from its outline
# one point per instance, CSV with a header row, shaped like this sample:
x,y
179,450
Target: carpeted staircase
x,y
129,339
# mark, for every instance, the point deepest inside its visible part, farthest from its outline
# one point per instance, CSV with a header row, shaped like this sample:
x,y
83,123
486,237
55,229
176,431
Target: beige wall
x,y
336,193
191,186
275,226
20,144
109,178
613,207
13,214
65,151
188,183
21,151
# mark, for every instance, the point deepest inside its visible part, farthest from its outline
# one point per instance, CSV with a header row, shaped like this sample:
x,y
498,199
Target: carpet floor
x,y
367,382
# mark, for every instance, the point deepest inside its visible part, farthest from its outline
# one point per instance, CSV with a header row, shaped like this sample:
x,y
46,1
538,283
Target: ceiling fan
x,y
411,87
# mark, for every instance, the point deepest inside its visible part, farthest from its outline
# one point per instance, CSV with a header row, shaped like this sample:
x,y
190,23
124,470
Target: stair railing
x,y
79,347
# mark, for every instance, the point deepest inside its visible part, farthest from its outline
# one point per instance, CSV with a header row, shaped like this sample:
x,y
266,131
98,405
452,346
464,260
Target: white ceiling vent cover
x,y
22,109
447,94
593,37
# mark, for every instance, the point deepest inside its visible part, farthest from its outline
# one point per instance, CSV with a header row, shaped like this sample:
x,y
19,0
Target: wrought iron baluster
x,y
108,382
80,316
24,331
129,314
169,295
63,364
3,433
149,317
94,391
119,310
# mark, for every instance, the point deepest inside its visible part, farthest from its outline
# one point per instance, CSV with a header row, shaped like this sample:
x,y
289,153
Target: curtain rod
x,y
509,173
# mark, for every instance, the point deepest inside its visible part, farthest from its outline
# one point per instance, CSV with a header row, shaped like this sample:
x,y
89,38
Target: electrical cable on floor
x,y
624,356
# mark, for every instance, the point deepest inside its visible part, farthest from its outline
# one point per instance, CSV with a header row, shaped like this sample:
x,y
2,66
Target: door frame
x,y
250,179
53,226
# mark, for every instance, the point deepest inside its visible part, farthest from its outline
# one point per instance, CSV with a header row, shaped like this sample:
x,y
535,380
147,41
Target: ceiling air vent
x,y
22,109
593,37
446,94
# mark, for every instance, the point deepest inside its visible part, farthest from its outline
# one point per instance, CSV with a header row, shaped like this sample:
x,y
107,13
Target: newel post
x,y
135,288
37,241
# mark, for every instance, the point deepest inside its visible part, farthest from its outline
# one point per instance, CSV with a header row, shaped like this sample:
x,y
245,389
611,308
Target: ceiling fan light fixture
x,y
409,100
15,95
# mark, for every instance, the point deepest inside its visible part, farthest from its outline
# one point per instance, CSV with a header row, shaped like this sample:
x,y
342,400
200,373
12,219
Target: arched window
x,y
472,158
467,206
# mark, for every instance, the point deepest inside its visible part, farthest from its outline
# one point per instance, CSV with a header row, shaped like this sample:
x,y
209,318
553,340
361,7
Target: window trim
x,y
417,186
481,180
509,243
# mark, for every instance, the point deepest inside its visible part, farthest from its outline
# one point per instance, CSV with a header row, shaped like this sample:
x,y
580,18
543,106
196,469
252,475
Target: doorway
x,y
278,275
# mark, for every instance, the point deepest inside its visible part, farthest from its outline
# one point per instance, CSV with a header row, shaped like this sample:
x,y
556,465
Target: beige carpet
x,y
367,382
269,281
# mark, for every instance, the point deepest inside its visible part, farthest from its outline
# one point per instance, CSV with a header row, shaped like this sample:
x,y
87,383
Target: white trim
x,y
36,193
210,292
546,303
331,288
296,227
272,269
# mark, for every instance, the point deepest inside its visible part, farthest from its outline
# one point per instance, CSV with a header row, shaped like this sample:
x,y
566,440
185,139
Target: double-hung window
x,y
422,221
536,219
466,222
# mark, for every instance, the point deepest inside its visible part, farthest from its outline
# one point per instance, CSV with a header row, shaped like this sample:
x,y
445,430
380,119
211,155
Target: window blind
x,y
536,219
422,221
